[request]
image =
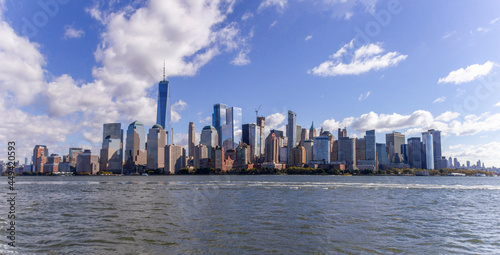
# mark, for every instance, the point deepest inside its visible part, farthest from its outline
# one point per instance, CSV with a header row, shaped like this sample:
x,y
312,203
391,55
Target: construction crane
x,y
257,111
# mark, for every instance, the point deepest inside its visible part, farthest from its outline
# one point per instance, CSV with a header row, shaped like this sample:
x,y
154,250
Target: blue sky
x,y
67,67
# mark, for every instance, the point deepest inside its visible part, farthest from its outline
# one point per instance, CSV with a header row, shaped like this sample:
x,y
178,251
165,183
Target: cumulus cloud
x,y
417,122
487,153
309,37
364,59
364,96
274,120
468,74
176,108
439,100
447,116
497,104
71,32
129,65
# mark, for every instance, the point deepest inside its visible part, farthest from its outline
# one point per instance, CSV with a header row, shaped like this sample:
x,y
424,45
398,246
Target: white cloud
x,y
187,36
439,100
494,20
468,74
497,104
309,37
279,4
274,120
71,32
447,116
364,59
273,24
247,16
176,108
364,96
487,153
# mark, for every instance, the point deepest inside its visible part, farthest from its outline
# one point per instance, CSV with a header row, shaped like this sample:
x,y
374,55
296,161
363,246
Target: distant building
x,y
436,149
135,150
404,153
382,157
174,158
291,133
163,111
347,151
243,155
370,145
52,165
321,149
428,150
156,147
308,146
360,149
393,143
201,152
415,152
209,137
312,132
299,156
303,136
342,133
191,139
261,123
71,158
87,163
272,148
251,136
111,159
227,122
40,154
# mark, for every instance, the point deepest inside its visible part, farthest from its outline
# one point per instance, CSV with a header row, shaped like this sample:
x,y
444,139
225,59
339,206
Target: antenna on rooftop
x,y
164,70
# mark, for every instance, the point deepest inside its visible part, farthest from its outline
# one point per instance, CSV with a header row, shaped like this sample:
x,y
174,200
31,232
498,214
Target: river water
x,y
254,215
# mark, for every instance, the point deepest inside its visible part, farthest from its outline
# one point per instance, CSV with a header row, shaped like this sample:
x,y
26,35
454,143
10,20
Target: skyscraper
x,y
436,145
415,152
370,147
347,150
427,148
219,120
272,148
303,136
393,143
234,121
111,159
174,158
163,109
191,139
312,132
321,149
251,136
135,149
40,154
209,137
261,122
291,133
308,146
227,122
382,156
156,147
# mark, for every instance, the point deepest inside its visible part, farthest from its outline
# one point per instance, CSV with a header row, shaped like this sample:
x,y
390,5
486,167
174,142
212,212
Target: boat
x,y
480,175
144,174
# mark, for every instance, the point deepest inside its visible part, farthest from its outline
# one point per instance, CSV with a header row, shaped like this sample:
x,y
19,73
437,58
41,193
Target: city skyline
x,y
408,74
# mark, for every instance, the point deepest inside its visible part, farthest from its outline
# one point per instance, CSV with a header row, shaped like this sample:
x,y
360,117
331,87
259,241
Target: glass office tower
x,y
163,110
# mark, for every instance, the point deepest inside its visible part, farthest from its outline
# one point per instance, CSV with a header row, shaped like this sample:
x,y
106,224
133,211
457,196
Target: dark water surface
x,y
254,215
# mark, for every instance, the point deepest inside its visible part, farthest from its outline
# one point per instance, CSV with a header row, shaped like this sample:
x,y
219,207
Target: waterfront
x,y
255,214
